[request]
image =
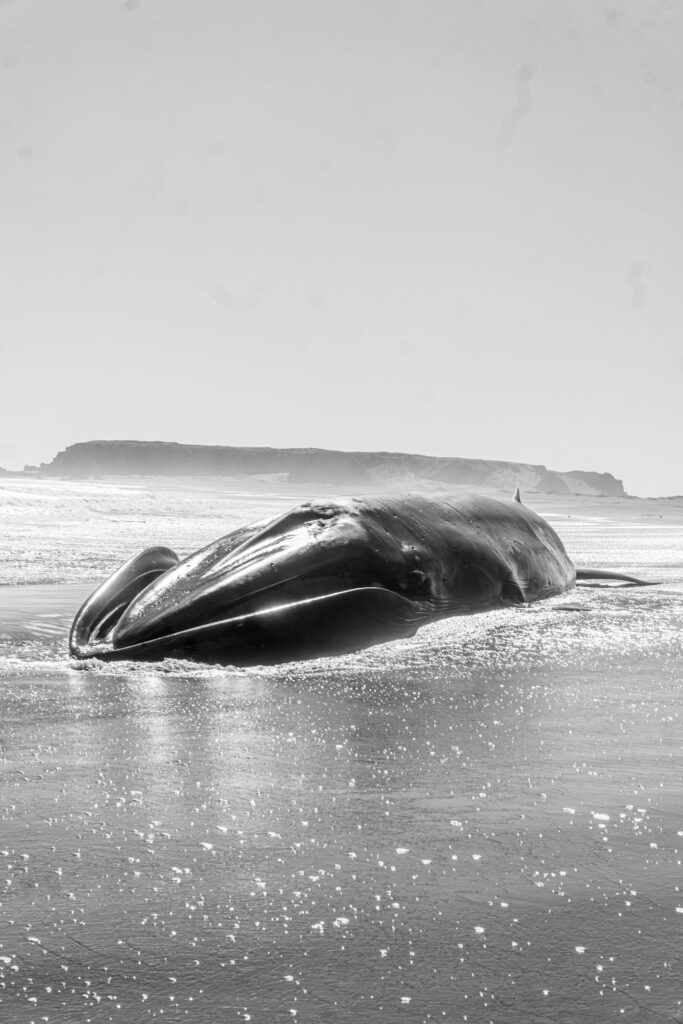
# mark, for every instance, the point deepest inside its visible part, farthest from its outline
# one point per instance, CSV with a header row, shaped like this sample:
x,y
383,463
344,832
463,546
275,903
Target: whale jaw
x,y
96,620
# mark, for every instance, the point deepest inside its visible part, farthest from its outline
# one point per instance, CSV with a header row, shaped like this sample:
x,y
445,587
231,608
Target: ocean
x,y
483,823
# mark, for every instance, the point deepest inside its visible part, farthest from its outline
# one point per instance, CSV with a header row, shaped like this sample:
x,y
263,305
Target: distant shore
x,y
317,466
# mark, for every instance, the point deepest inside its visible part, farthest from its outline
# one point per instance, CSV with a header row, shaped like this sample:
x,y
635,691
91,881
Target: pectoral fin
x,y
512,592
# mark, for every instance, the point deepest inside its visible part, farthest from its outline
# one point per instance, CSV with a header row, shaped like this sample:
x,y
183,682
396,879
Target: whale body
x,y
327,577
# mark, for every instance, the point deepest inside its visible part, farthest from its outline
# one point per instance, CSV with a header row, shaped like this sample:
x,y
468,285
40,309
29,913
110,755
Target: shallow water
x,y
483,823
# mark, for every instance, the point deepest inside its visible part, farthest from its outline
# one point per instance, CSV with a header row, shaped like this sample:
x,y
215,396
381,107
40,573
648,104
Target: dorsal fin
x,y
516,496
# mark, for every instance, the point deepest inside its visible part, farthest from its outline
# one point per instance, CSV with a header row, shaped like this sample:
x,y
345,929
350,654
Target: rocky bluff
x,y
315,465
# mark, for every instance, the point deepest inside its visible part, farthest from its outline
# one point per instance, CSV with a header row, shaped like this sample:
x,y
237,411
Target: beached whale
x,y
327,577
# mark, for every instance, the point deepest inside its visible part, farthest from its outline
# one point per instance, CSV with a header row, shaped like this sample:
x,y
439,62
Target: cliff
x,y
315,465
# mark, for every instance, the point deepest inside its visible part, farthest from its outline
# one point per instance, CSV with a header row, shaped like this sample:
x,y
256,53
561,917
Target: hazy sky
x,y
446,227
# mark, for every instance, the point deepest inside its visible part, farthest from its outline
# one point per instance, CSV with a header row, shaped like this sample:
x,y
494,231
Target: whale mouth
x,y
330,624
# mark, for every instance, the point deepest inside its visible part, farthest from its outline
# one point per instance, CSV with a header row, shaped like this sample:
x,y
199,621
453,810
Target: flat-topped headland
x,y
317,465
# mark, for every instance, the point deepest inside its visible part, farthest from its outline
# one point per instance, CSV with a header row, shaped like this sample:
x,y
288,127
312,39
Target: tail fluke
x,y
603,574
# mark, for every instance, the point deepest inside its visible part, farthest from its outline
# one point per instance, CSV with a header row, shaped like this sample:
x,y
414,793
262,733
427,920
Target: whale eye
x,y
417,581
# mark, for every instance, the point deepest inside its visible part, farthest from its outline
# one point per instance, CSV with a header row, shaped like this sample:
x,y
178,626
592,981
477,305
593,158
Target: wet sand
x,y
481,824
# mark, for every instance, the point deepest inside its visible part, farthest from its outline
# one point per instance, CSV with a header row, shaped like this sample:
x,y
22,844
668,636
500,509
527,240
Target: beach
x,y
483,823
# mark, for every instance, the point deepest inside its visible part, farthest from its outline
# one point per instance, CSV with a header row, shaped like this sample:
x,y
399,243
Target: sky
x,y
452,227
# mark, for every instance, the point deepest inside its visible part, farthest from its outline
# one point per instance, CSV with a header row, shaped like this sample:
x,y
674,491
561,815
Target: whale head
x,y
320,579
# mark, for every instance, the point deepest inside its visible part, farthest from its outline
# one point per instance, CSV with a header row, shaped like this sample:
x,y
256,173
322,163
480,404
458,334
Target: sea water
x,y
481,824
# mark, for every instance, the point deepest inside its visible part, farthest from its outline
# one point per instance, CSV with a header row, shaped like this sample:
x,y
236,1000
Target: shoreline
x,y
275,485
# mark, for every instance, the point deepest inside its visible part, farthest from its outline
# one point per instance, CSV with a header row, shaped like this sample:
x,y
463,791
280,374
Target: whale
x,y
327,578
